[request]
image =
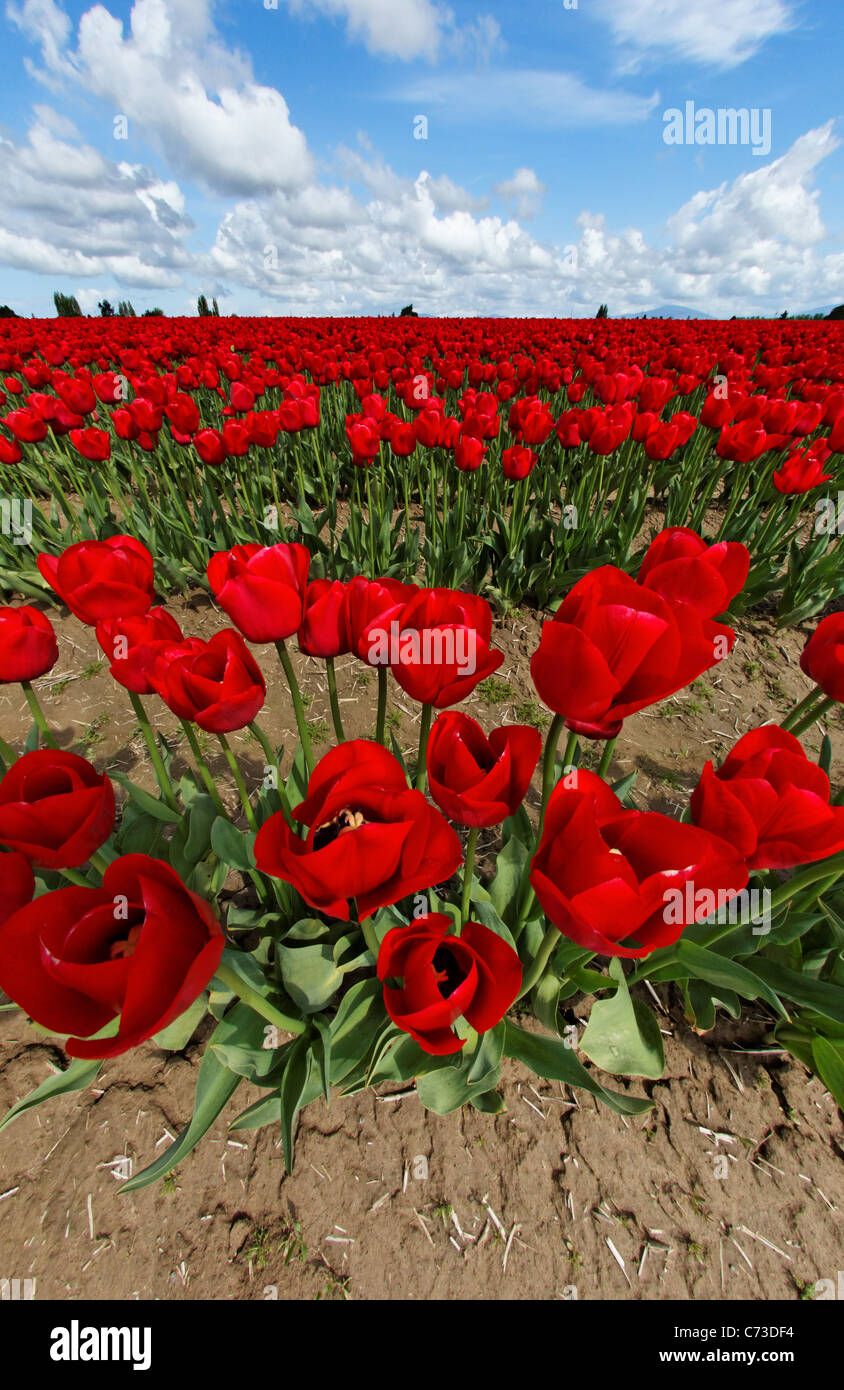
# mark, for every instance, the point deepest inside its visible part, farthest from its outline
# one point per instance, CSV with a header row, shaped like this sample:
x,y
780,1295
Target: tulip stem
x,y
606,758
298,707
256,1001
372,943
421,761
549,768
204,770
38,714
272,765
239,782
801,710
467,875
335,703
817,713
162,776
382,705
540,961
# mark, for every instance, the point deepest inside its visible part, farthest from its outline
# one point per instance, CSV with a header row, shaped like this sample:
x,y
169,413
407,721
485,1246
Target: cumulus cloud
x,y
104,219
172,75
523,191
693,29
731,249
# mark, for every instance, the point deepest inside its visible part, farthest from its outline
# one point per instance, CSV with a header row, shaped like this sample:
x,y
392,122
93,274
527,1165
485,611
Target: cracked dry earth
x,y
729,1188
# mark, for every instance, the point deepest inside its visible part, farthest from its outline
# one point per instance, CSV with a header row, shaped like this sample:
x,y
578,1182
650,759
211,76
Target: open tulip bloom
x,y
395,916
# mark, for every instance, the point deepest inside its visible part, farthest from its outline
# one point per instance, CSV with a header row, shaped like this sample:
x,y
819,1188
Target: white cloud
x,y
724,35
67,210
745,246
525,98
173,76
523,191
408,29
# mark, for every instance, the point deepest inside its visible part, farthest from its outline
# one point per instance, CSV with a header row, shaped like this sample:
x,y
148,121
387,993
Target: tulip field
x,y
390,609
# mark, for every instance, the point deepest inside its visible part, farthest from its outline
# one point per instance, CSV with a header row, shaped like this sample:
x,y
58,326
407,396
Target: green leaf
x,y
489,1103
179,1033
622,1035
79,1074
803,989
291,1091
214,1088
829,1063
235,847
504,889
728,974
149,804
322,1056
360,1016
486,914
310,975
553,1061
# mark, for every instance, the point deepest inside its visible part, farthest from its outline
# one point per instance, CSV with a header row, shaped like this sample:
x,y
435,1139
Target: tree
x,y
216,309
153,314
206,310
126,309
603,312
6,312
408,312
67,305
106,309
837,312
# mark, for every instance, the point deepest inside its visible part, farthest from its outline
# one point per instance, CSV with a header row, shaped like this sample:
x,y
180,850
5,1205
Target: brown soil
x,y
386,1200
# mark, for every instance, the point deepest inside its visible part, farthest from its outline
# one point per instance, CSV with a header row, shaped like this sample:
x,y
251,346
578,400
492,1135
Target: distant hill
x,y
674,311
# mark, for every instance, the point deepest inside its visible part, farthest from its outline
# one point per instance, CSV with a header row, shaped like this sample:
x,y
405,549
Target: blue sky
x,y
271,155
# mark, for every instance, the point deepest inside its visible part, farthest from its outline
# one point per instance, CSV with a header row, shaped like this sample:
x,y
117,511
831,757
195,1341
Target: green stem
x,y
239,782
298,707
272,762
382,704
204,770
549,767
155,757
38,714
540,961
262,1006
467,875
817,713
798,712
606,758
372,944
335,703
421,762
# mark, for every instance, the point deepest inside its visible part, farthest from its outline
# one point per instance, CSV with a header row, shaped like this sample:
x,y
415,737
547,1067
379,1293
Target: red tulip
x,y
442,646
142,947
369,837
216,684
476,781
55,808
28,646
614,647
475,975
102,579
683,568
606,876
822,659
770,801
261,588
133,645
